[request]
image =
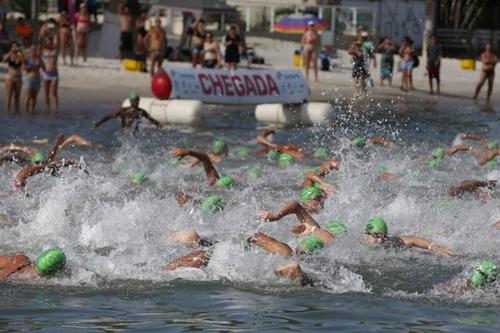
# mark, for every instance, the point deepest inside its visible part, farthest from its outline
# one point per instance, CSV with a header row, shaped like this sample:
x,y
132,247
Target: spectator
x,y
50,73
489,61
82,31
406,53
48,29
359,72
126,31
232,43
434,52
388,49
140,48
24,32
92,8
157,41
197,41
32,67
65,38
310,42
211,52
13,83
368,49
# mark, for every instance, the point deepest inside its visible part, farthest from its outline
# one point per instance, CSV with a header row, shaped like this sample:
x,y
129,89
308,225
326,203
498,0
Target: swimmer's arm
x,y
378,140
210,171
23,175
496,225
306,230
18,149
154,121
328,166
457,148
183,199
422,243
57,144
264,141
291,207
270,244
329,188
488,156
475,137
75,139
295,153
107,117
195,259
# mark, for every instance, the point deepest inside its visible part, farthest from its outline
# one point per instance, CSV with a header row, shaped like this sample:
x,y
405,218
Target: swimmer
x,y
315,189
212,174
360,142
472,186
48,264
50,167
490,155
216,155
131,115
482,276
466,148
195,259
376,235
290,148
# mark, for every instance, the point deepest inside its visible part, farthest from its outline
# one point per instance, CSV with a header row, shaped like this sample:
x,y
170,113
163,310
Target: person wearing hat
x,y
291,149
482,276
376,234
130,115
472,186
310,43
48,264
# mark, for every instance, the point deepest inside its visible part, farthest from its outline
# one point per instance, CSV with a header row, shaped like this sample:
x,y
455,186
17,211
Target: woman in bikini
x,y
82,31
310,40
197,42
489,60
65,38
32,79
211,53
13,82
407,60
50,73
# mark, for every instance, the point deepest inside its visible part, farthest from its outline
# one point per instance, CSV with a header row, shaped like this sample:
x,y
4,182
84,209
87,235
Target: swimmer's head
x,y
484,273
174,162
134,98
376,226
225,181
491,164
243,152
492,145
309,193
434,164
50,262
254,173
321,152
337,228
138,178
311,244
219,147
38,157
212,204
284,160
382,168
438,152
358,142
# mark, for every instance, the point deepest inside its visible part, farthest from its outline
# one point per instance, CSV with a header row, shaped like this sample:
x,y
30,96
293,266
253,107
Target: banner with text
x,y
238,87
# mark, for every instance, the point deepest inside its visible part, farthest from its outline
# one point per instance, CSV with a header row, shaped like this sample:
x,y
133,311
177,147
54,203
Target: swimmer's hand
x,y
440,249
179,152
267,216
496,225
302,230
333,165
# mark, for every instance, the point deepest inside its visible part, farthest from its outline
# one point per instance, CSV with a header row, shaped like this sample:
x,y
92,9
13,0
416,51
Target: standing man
x,y
489,60
126,31
156,39
434,54
368,49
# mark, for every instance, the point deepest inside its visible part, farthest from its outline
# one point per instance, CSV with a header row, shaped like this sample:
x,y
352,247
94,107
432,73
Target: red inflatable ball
x,y
161,85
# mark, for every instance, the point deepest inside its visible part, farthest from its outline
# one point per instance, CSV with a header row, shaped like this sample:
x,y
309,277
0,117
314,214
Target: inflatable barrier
x,y
294,114
174,111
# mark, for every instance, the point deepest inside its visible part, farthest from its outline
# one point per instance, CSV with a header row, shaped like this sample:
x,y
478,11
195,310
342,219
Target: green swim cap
x,y
337,228
313,170
273,154
438,152
434,164
445,205
50,262
382,168
491,164
321,152
358,142
133,95
225,181
174,162
309,193
493,144
138,178
218,146
254,173
212,204
376,225
486,272
311,244
38,157
284,160
243,152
